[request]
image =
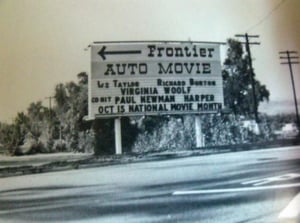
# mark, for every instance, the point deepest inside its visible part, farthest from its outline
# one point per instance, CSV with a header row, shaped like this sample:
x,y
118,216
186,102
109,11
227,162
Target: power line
x,y
266,16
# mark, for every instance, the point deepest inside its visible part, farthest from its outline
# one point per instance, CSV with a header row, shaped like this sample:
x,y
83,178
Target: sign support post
x,y
199,134
118,136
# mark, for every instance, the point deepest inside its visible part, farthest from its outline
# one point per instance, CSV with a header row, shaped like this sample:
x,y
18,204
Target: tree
x,y
7,138
71,106
237,82
38,119
61,97
83,78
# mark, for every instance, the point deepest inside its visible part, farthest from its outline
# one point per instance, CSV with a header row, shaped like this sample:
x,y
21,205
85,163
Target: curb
x,y
94,161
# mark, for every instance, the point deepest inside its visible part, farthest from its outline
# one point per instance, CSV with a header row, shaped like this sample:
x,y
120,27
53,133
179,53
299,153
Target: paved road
x,y
242,187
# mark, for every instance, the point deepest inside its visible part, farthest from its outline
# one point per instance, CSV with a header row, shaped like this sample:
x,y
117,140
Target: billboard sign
x,y
154,78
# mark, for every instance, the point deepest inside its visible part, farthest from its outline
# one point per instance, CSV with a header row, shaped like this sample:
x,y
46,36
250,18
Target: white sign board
x,y
153,78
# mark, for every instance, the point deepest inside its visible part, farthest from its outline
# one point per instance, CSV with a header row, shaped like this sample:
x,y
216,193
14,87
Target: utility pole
x,y
248,43
290,58
50,106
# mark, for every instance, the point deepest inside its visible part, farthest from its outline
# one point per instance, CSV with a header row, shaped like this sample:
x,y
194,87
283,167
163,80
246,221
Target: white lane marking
x,y
232,190
285,177
291,211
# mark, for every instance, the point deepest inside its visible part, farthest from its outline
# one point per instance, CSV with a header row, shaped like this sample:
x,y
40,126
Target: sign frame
x,y
106,54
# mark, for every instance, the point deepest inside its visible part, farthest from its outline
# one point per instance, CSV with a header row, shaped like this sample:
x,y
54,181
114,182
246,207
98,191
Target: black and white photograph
x,y
149,111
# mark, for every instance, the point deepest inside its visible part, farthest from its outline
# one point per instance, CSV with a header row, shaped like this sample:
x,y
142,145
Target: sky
x,y
43,42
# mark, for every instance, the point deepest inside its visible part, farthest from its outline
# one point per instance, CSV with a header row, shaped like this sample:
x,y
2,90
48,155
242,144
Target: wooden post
x,y
118,136
292,58
248,43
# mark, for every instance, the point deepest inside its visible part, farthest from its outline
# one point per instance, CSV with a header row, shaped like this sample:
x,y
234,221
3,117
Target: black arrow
x,y
102,53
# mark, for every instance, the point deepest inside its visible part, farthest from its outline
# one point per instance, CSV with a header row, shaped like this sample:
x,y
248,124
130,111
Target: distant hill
x,y
278,107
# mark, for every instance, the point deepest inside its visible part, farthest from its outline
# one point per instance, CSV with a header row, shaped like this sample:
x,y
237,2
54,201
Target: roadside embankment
x,y
41,163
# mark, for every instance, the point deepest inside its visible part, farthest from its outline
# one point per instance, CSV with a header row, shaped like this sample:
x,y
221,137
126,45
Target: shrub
x,y
176,133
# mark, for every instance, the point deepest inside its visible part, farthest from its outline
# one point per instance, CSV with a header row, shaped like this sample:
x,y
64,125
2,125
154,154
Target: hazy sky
x,y
42,42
